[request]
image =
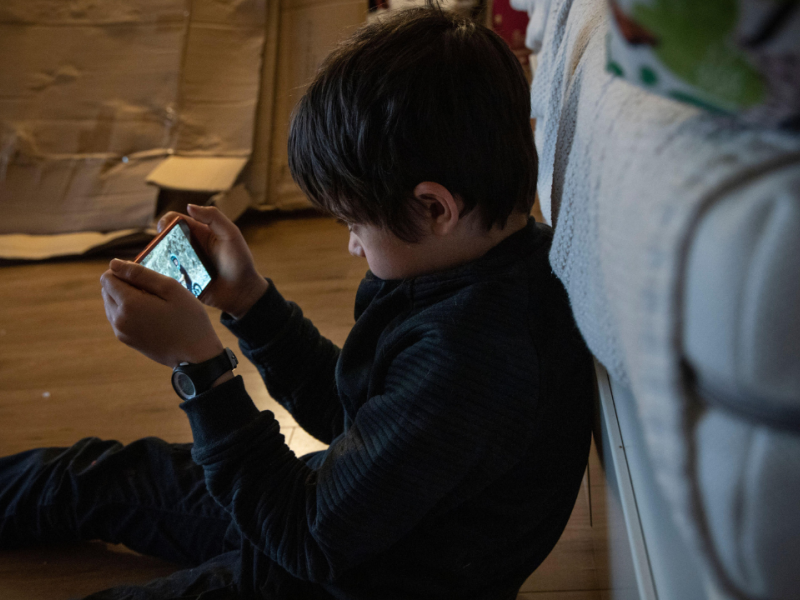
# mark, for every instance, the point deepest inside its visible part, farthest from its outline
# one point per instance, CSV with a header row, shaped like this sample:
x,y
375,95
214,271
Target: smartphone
x,y
173,253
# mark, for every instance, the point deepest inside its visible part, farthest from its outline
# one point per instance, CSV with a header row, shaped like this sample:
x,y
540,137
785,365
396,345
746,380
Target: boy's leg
x,y
214,580
148,495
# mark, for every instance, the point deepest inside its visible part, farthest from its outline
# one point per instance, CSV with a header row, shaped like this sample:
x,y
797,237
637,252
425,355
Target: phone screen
x,y
174,257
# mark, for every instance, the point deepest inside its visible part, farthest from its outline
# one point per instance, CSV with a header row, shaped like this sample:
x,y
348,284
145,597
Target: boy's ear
x,y
441,210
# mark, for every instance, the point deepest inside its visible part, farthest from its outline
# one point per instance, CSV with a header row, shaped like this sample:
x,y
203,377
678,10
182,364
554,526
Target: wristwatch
x,y
190,380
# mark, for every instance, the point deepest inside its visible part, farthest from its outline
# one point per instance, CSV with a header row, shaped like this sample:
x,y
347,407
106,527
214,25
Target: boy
x,y
457,412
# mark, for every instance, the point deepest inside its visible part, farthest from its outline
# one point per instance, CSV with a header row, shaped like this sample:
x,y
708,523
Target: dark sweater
x,y
458,417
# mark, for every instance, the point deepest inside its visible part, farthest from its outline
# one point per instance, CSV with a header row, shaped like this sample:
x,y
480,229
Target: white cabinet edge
x,y
641,562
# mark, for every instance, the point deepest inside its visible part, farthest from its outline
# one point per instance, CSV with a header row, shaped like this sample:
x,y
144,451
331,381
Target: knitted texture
x,y
458,417
625,175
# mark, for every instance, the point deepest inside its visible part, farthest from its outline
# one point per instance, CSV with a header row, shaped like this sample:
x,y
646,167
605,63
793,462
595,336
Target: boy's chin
x,y
389,273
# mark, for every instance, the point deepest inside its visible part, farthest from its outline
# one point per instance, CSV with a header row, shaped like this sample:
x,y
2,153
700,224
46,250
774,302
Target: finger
x,y
121,295
110,287
108,299
111,308
219,224
109,304
166,219
143,279
119,308
200,232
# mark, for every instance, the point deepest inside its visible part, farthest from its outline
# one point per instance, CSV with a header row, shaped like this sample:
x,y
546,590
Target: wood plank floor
x,y
64,376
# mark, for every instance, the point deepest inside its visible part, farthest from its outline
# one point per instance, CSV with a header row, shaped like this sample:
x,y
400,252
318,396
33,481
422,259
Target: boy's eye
x,y
350,226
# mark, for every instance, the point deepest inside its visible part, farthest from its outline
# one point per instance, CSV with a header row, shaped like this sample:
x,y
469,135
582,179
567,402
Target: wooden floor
x,y
64,376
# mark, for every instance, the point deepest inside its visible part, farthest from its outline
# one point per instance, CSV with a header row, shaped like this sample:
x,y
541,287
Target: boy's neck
x,y
468,242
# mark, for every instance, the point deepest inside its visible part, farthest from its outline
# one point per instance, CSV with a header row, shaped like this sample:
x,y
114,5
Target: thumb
x,y
143,278
220,225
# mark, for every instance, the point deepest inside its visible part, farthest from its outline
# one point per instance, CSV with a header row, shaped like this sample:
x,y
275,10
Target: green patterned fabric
x,y
739,57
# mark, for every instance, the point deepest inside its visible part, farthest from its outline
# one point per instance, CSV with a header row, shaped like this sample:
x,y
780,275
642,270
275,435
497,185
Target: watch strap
x,y
204,374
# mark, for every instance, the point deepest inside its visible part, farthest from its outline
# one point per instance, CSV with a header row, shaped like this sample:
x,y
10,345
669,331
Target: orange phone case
x,y
199,251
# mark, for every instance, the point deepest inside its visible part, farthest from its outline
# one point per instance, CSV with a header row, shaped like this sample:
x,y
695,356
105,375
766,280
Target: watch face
x,y
183,384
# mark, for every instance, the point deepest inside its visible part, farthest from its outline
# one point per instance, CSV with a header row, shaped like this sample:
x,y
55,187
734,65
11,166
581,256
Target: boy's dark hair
x,y
423,95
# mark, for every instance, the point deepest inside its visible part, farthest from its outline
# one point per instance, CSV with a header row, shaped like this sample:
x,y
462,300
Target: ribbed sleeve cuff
x,y
265,319
219,412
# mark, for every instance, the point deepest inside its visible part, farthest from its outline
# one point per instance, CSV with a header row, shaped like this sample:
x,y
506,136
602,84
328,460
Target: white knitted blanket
x,y
624,175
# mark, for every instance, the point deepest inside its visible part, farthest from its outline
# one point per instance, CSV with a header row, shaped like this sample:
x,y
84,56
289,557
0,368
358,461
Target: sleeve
x,y
297,364
407,451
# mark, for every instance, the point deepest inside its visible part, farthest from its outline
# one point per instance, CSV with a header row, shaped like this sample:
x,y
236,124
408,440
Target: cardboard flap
x,y
233,202
197,174
41,247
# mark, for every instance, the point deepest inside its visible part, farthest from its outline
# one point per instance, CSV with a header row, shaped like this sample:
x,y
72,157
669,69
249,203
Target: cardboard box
x,y
257,173
95,95
309,30
107,104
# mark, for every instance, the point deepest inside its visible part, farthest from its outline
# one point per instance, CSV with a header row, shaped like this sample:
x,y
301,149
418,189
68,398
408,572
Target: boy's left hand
x,y
157,316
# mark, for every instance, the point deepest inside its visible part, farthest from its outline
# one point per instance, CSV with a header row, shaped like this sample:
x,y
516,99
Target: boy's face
x,y
388,256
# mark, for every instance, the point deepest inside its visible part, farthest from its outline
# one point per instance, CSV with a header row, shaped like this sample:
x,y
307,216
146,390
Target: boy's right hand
x,y
237,286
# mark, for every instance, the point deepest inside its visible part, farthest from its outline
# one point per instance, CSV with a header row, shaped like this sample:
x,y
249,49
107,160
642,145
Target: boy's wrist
x,y
263,320
249,296
223,378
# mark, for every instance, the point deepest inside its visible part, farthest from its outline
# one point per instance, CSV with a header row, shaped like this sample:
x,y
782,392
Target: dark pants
x,y
149,496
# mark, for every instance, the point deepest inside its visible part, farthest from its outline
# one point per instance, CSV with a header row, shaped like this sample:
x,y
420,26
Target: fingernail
x,y
116,264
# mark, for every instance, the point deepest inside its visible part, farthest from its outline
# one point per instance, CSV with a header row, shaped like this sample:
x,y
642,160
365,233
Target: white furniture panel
x,y
655,564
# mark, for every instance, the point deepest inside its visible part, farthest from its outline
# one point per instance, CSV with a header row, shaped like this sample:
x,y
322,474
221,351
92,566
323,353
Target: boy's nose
x,y
354,246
